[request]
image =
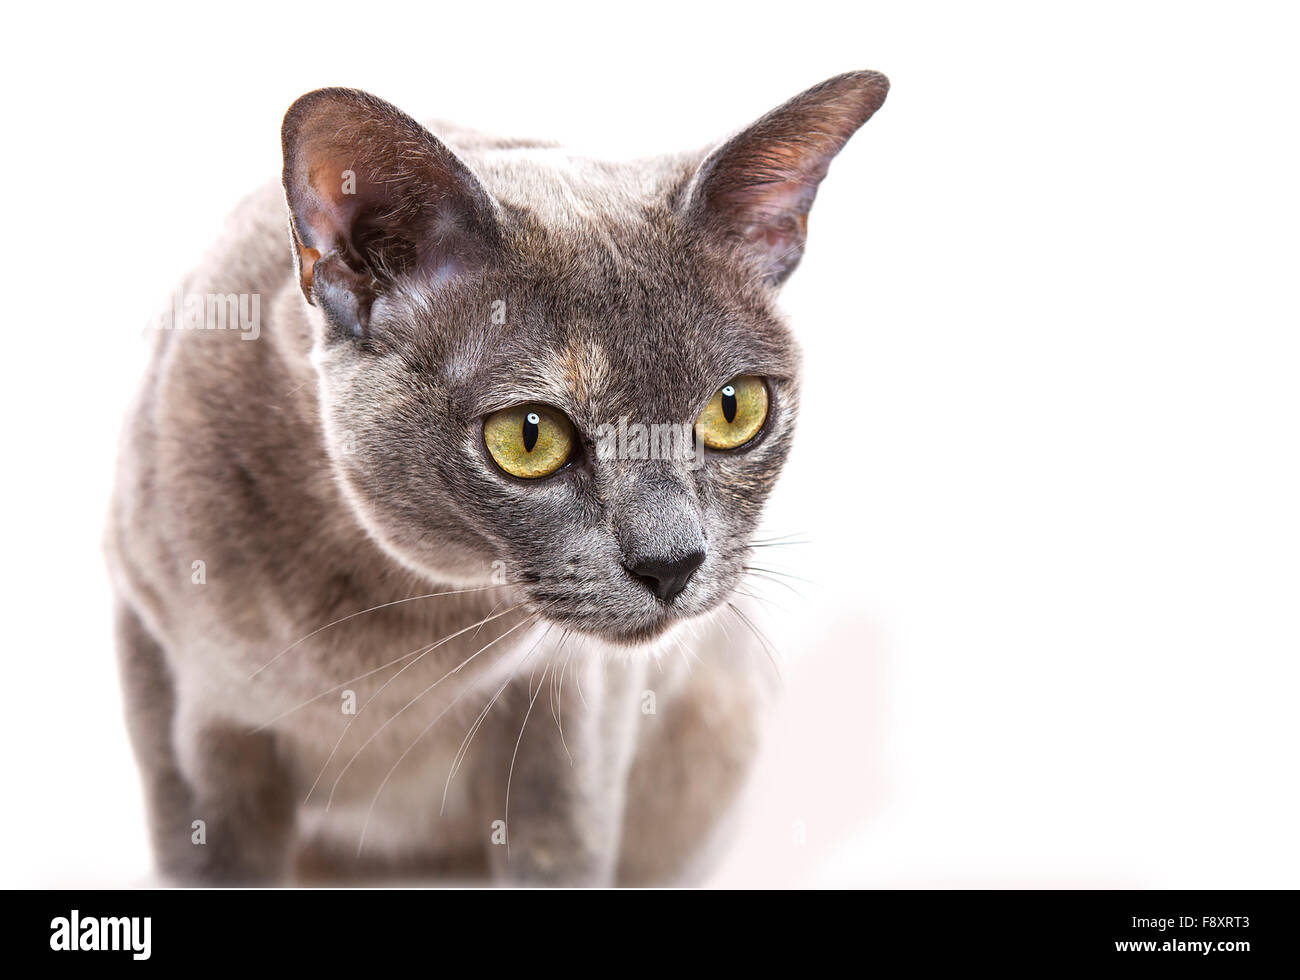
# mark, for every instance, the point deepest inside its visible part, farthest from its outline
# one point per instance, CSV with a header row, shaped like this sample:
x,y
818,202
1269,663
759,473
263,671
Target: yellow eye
x,y
734,414
529,441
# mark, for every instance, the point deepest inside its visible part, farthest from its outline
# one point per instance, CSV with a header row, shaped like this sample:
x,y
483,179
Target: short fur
x,y
332,479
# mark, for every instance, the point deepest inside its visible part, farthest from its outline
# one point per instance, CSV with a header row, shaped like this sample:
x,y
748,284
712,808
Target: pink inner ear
x,y
773,217
779,233
765,202
331,212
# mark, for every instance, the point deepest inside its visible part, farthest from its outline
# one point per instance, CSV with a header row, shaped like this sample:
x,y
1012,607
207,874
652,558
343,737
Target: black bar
x,y
211,929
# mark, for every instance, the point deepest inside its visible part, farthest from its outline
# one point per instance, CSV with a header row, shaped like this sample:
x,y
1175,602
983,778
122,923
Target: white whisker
x,y
423,652
770,652
384,605
559,717
474,727
392,769
511,774
375,733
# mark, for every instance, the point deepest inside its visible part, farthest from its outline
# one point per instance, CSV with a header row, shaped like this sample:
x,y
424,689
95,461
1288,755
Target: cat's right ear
x,y
756,189
373,197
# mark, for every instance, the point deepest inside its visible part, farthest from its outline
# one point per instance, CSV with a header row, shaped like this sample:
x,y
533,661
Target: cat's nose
x,y
666,577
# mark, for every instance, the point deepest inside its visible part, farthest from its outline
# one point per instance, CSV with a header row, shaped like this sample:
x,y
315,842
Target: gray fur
x,y
334,468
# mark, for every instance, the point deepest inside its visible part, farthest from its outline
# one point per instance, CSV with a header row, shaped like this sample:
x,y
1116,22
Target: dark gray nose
x,y
667,577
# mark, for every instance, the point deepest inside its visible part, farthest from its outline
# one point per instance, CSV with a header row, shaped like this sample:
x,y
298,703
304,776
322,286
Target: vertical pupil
x,y
530,431
729,403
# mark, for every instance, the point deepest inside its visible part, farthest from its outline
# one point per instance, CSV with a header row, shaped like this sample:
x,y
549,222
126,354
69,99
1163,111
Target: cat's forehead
x,y
622,363
604,331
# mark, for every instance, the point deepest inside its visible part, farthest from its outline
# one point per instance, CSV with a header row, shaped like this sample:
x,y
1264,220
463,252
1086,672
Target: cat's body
x,y
274,539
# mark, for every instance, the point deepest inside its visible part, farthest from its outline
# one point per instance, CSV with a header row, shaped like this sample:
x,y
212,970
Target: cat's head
x,y
562,374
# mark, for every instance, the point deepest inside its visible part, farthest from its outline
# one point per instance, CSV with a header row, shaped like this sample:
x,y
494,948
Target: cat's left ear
x,y
758,187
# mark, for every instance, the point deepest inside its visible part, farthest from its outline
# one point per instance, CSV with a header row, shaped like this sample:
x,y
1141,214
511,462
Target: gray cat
x,y
428,529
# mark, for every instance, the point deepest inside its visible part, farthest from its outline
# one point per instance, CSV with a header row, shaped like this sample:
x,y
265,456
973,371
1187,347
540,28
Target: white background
x,y
1048,455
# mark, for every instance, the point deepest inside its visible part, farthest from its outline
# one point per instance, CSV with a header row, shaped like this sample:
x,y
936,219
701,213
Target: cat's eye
x,y
529,441
734,414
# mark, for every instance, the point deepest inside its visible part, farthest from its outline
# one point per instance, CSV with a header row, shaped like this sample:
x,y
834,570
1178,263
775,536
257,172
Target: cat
x,y
391,601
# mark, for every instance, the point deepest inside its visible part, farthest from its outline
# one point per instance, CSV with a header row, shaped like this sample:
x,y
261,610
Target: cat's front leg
x,y
551,791
220,805
239,826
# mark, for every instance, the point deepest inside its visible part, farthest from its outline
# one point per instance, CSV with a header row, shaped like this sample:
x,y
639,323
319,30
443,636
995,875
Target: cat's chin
x,y
642,637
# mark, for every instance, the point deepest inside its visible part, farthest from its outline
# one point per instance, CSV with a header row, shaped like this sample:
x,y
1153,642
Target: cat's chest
x,y
368,722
